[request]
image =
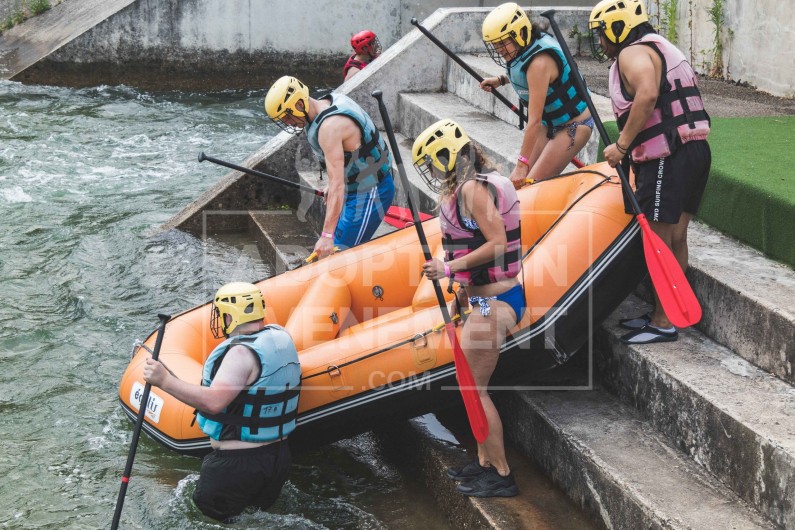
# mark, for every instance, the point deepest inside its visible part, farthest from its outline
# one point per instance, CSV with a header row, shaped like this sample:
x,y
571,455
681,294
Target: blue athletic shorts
x,y
362,213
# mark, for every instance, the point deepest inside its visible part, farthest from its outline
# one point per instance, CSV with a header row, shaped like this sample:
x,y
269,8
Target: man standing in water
x,y
664,130
358,162
247,404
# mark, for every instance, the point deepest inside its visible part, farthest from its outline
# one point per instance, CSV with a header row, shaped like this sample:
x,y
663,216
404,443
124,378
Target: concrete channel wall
x,y
755,38
195,44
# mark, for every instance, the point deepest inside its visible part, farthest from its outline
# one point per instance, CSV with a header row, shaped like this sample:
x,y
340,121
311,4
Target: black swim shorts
x,y
231,480
668,186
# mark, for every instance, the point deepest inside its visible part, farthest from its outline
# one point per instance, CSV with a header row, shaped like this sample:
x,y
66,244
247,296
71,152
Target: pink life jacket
x,y
352,62
459,240
679,110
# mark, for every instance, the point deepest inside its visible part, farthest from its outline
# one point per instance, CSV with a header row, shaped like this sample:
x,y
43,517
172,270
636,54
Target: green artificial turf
x,y
751,189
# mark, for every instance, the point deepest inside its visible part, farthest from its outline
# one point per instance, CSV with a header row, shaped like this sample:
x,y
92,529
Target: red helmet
x,y
366,42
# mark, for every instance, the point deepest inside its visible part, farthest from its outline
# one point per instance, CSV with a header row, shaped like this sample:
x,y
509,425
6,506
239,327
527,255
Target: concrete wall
x,y
756,37
194,44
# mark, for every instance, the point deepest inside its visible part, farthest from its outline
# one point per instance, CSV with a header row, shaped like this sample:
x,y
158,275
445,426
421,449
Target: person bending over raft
x,y
247,403
366,48
559,123
358,162
479,217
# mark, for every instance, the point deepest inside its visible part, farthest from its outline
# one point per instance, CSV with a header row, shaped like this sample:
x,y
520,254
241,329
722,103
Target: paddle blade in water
x,y
676,296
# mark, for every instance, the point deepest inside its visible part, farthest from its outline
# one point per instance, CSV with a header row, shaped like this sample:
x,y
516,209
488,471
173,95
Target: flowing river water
x,y
86,178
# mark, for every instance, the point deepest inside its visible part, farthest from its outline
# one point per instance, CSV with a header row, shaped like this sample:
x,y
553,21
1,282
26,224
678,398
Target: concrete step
x,y
748,300
283,240
433,443
728,415
616,465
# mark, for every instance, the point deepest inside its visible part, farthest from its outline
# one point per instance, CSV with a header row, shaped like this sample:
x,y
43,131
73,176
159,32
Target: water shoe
x,y
649,334
636,322
469,471
490,484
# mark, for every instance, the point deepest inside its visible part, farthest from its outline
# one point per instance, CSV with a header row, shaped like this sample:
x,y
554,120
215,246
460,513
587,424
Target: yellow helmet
x,y
282,100
241,301
615,19
437,146
506,21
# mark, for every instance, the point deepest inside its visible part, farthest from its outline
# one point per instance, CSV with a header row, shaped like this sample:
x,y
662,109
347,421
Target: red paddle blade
x,y
401,217
472,403
676,296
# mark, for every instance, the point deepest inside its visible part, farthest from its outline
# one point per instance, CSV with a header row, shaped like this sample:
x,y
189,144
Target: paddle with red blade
x,y
472,403
675,294
502,99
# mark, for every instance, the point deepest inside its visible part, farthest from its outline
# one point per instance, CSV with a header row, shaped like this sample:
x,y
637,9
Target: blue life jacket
x,y
266,410
371,162
563,103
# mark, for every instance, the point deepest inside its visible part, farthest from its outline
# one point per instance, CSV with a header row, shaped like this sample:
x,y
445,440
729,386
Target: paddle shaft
x,y
254,172
472,403
675,293
580,86
450,53
125,479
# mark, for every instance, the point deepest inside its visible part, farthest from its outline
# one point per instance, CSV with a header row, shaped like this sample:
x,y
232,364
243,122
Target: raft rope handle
x,y
138,344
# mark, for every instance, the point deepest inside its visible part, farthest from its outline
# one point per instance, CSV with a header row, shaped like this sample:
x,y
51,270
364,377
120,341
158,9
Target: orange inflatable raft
x,y
367,325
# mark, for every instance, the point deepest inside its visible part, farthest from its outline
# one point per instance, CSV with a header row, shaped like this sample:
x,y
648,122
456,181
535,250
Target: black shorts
x,y
668,186
231,480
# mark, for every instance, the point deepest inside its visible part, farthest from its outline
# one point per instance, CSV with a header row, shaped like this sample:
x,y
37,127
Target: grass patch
x,y
751,190
37,7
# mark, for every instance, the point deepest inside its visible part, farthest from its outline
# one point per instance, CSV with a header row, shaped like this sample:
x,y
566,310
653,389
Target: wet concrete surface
x,y
432,443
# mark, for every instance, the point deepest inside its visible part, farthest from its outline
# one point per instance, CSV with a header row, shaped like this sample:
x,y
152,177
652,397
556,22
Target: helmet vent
x,y
638,10
443,156
249,308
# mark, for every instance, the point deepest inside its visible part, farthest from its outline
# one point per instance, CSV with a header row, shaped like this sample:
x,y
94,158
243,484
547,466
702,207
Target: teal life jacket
x,y
563,103
371,162
264,411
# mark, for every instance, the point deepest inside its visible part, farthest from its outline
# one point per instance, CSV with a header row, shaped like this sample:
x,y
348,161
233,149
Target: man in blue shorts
x,y
358,162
